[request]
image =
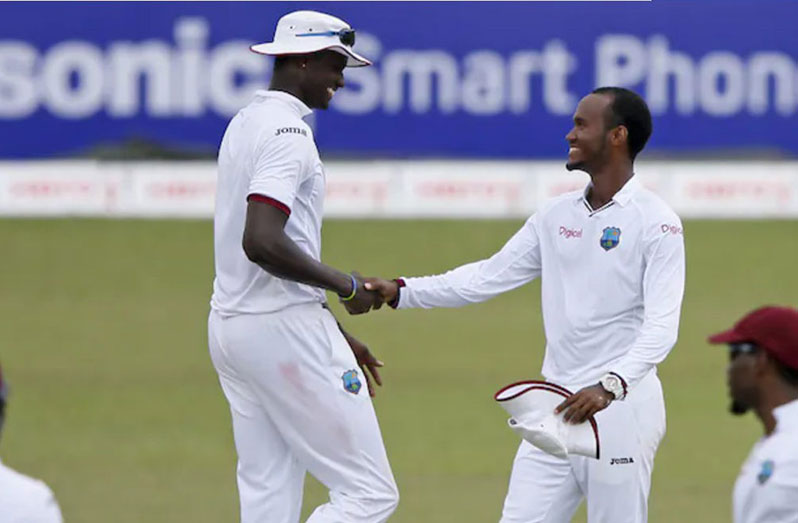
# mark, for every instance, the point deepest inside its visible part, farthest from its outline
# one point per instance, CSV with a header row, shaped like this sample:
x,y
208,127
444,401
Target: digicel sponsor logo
x,y
672,229
570,233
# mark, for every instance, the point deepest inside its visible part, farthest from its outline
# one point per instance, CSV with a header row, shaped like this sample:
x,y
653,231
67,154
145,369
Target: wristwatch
x,y
614,384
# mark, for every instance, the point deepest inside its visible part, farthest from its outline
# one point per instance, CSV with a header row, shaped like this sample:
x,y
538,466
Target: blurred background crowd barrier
x,y
392,188
117,109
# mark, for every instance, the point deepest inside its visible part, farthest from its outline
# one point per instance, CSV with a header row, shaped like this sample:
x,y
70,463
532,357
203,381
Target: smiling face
x,y
588,140
323,75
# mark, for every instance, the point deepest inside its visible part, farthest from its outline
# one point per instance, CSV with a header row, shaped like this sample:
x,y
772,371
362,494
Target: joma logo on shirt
x,y
621,461
570,233
290,130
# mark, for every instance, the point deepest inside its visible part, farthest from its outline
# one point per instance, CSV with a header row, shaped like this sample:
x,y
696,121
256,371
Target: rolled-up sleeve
x,y
280,163
663,289
518,262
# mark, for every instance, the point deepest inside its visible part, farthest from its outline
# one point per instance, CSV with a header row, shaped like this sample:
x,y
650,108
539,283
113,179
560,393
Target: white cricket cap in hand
x,y
531,406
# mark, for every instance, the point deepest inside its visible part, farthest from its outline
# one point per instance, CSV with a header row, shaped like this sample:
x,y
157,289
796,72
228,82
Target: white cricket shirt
x,y
26,500
766,490
612,283
267,153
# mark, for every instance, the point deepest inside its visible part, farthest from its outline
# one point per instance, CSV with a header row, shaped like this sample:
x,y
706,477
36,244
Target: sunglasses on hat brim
x,y
346,36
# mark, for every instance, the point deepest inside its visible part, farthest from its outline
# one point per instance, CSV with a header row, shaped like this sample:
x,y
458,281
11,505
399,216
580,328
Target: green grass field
x,y
115,403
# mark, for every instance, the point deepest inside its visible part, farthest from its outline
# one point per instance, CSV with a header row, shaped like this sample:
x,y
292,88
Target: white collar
x,y
621,197
287,98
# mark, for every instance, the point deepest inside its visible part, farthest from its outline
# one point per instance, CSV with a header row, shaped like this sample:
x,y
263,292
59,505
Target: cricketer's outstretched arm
x,y
517,263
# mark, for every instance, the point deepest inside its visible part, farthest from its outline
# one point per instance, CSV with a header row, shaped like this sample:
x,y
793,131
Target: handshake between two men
x,y
369,294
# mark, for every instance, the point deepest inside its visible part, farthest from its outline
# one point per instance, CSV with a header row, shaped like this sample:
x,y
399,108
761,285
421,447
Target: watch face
x,y
613,385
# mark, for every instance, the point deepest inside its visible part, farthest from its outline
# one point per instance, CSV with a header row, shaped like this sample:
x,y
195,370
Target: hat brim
x,y
273,49
729,336
514,390
546,396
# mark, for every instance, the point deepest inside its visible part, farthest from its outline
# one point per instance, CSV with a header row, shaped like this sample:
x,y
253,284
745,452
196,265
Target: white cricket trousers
x,y
282,374
547,489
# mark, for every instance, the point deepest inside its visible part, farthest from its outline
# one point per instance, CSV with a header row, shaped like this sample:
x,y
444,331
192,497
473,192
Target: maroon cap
x,y
774,329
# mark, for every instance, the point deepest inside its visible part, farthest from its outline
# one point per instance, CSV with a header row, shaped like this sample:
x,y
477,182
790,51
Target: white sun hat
x,y
531,406
303,32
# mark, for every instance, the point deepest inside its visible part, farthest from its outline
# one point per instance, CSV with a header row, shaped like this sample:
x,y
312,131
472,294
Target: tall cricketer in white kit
x,y
292,376
611,260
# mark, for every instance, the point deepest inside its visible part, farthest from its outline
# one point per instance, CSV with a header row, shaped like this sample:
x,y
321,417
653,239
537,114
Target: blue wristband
x,y
354,290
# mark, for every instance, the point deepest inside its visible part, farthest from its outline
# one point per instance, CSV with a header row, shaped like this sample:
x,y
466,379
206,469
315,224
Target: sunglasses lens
x,y
735,349
348,37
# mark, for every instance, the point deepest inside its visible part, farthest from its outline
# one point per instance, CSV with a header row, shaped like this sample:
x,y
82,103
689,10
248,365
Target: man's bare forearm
x,y
282,258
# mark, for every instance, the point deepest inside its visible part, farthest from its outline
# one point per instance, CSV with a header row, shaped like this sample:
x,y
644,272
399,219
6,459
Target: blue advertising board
x,y
473,79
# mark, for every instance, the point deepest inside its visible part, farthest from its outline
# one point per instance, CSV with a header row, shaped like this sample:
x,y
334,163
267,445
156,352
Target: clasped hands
x,y
371,294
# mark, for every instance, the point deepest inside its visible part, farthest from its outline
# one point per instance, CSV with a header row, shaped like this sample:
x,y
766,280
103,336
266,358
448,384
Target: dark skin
x,y
310,77
602,152
313,79
755,384
599,151
266,243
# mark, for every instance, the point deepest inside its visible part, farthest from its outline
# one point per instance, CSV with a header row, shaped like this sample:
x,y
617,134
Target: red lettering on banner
x,y
374,191
465,189
53,189
180,190
728,190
